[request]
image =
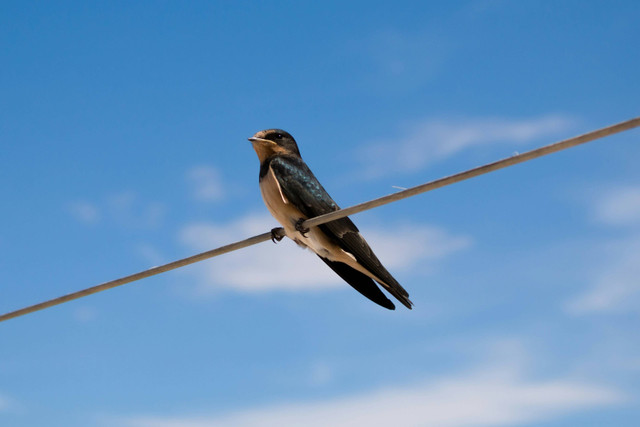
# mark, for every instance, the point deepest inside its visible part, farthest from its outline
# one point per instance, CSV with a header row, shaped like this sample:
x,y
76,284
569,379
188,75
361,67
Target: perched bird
x,y
293,194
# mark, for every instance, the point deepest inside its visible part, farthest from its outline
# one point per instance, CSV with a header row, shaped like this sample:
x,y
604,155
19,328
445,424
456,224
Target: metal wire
x,y
442,182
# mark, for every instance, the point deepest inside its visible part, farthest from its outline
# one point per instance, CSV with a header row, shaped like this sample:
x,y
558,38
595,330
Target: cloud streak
x,y
400,60
6,403
616,285
128,209
85,212
206,184
619,206
487,396
434,140
125,208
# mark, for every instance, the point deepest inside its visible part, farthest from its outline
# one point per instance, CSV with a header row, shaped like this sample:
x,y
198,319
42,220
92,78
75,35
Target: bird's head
x,y
270,142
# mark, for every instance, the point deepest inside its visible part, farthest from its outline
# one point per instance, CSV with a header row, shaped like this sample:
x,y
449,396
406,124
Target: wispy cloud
x,y
150,253
206,185
400,60
434,140
84,211
129,209
486,396
125,208
321,373
616,284
403,246
618,206
85,313
7,403
285,266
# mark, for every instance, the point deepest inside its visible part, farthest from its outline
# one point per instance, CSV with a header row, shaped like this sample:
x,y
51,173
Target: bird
x,y
293,194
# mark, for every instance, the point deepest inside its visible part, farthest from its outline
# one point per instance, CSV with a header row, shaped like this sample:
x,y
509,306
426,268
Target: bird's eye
x,y
279,136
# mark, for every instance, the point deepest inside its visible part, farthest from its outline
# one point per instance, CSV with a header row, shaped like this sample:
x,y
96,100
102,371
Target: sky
x,y
123,136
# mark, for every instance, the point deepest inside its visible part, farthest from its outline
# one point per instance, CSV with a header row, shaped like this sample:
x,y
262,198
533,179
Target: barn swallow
x,y
293,194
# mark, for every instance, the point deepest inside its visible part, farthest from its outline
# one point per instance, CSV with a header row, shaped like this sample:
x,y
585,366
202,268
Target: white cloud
x,y
84,212
616,283
150,254
85,313
285,266
619,206
402,246
126,208
617,286
206,183
129,210
437,139
399,60
488,396
7,403
320,374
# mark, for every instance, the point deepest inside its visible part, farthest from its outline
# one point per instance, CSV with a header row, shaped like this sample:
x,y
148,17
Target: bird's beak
x,y
253,140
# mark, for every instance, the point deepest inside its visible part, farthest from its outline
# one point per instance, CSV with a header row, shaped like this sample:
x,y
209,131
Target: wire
x,y
140,275
471,173
438,183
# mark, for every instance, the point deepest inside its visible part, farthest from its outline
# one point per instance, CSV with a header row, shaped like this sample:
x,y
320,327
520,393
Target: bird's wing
x,y
304,191
300,186
360,282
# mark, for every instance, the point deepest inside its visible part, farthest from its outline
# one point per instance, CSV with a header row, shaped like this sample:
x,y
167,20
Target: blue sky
x,y
123,132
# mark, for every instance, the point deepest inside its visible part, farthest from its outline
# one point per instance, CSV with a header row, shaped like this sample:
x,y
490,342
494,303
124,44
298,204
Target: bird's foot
x,y
300,229
277,234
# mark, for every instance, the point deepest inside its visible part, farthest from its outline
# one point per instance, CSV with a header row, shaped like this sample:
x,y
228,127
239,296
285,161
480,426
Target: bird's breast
x,y
281,209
